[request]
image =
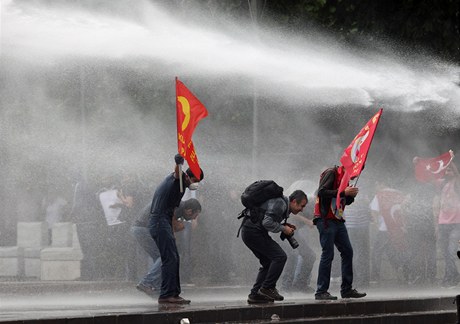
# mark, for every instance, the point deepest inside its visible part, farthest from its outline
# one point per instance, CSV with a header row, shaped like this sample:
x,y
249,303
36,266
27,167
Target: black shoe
x,y
271,293
353,293
259,299
325,296
148,290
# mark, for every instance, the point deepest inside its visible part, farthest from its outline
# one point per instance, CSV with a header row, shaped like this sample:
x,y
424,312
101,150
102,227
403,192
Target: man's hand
x,y
288,230
351,191
179,159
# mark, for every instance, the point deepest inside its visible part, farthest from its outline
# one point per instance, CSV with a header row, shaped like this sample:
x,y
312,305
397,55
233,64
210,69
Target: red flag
x,y
432,169
390,201
189,112
355,155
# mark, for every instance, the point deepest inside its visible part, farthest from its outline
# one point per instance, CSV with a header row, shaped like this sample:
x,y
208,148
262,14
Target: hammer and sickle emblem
x,y
186,110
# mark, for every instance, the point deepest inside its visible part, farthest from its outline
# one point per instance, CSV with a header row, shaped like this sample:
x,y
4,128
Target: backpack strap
x,y
286,216
255,215
244,215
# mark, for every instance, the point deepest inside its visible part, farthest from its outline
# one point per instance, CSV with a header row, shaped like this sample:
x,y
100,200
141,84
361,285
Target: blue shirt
x,y
166,197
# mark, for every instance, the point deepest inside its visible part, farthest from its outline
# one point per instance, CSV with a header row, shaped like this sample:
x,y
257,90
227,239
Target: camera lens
x,y
293,242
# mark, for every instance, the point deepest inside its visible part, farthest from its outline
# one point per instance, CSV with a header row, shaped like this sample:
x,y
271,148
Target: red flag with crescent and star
x,y
189,111
432,169
355,155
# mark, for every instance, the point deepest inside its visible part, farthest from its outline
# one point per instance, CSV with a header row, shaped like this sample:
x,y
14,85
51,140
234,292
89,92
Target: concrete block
x,y
60,263
62,235
61,254
11,252
32,234
60,270
32,263
11,261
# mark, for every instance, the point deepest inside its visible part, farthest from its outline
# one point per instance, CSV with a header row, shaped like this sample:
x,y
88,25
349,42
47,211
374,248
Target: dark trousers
x,y
162,233
92,241
360,240
449,235
297,272
271,256
396,257
335,233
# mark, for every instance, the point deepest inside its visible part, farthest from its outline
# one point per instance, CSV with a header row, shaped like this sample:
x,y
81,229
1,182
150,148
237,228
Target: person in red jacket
x,y
332,231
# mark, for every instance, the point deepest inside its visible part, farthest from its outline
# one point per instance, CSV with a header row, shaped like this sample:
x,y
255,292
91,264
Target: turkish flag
x,y
189,111
355,155
390,202
431,169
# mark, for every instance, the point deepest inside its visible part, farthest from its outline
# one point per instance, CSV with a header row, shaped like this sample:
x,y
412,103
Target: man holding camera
x,y
271,256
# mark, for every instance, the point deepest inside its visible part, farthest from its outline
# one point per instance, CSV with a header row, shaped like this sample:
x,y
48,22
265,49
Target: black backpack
x,y
255,195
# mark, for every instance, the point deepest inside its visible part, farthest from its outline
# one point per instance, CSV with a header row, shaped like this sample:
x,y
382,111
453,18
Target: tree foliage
x,y
430,25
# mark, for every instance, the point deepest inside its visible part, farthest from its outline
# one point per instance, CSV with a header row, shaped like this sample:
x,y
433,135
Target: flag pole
x,y
181,184
356,182
372,138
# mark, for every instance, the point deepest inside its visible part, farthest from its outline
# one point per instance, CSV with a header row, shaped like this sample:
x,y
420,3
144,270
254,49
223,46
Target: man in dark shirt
x,y
167,197
332,231
188,211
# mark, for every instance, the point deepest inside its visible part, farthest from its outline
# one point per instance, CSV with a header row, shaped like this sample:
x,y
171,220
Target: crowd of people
x,y
144,235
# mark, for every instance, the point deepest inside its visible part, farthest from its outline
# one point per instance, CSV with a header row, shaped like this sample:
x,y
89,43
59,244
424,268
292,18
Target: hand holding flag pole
x,y
189,111
179,159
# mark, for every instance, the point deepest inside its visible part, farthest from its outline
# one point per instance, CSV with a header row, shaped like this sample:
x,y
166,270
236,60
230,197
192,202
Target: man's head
x,y
297,201
190,177
192,208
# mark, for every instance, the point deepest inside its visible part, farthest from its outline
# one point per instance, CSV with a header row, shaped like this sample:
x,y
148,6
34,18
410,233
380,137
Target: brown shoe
x,y
152,292
173,300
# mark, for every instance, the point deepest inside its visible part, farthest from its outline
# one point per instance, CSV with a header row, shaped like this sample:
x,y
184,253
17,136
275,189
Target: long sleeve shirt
x,y
276,210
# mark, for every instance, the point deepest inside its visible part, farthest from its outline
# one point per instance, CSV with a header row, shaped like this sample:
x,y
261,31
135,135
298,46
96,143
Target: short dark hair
x,y
190,174
298,195
192,204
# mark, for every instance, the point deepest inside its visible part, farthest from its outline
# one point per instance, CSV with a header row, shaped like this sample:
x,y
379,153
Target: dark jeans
x,y
422,249
297,272
396,257
184,246
449,235
145,240
162,233
335,233
92,241
271,256
360,240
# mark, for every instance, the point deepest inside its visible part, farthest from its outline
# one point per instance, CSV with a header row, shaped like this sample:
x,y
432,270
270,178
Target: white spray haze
x,y
317,72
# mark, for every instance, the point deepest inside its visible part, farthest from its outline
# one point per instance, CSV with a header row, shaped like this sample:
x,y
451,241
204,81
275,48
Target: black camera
x,y
292,241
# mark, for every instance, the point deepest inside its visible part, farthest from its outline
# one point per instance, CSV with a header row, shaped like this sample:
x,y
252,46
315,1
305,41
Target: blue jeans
x,y
299,265
153,277
335,233
184,245
162,233
271,256
449,235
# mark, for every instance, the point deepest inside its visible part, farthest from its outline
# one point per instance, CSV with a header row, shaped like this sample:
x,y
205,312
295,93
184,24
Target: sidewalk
x,y
31,300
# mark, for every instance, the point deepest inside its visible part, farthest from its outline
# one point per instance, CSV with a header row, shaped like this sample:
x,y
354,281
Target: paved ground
x,y
33,300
